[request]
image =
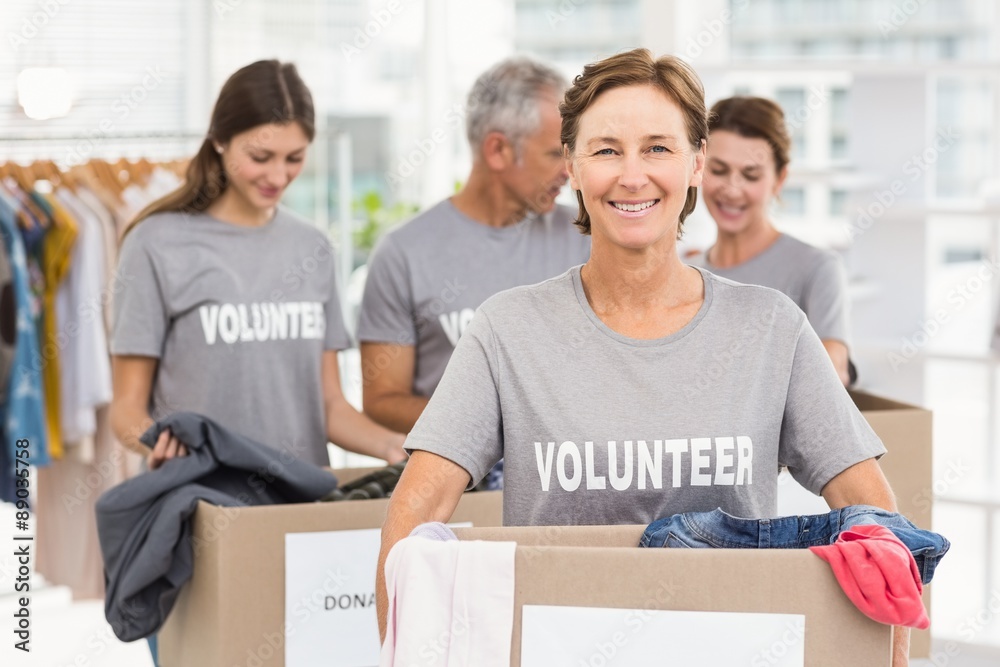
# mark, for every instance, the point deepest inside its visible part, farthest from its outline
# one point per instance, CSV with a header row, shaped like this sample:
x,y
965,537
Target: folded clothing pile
x,y
880,559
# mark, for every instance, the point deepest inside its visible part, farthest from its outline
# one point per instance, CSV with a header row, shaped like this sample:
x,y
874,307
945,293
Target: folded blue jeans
x,y
717,529
494,478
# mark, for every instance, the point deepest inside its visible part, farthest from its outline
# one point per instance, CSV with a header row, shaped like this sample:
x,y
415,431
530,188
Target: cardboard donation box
x,y
590,595
235,611
905,430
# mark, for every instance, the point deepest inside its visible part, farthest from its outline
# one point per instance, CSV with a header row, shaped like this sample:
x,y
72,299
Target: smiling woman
x,y
229,305
633,169
260,130
216,314
671,87
748,156
259,164
635,144
591,384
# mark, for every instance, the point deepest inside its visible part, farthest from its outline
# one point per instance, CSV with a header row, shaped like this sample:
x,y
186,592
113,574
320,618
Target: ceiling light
x,y
44,92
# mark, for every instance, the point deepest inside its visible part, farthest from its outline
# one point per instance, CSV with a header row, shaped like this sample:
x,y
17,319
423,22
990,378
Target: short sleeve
x,y
825,301
462,422
141,311
822,432
335,336
387,311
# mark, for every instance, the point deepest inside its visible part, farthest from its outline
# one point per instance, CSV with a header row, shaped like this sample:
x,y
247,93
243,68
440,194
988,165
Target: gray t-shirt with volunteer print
x,y
597,428
427,277
238,318
812,277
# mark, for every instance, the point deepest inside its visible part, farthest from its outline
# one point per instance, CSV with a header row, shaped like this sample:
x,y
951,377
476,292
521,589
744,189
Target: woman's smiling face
x,y
633,164
741,179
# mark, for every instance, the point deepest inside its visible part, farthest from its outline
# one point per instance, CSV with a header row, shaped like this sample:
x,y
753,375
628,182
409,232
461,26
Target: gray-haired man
x,y
503,229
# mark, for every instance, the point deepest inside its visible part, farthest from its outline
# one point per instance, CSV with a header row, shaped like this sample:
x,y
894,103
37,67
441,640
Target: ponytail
x,y
204,182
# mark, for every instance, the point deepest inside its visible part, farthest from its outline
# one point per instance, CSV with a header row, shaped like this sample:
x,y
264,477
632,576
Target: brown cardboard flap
x,y
866,402
789,581
562,536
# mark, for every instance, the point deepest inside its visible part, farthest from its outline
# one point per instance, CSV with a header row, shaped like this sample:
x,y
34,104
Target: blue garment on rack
x,y
34,238
24,411
8,485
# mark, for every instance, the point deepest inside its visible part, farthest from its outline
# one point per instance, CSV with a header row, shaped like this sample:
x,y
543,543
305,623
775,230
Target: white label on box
x,y
598,637
330,616
330,598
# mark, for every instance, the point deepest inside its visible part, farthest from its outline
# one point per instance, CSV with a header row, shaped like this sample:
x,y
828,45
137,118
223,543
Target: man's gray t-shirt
x,y
427,277
597,428
238,318
811,277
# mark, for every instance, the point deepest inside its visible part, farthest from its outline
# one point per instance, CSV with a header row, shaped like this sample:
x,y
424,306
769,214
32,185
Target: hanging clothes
x,y
33,225
8,321
8,343
23,413
109,235
85,380
63,251
57,251
94,462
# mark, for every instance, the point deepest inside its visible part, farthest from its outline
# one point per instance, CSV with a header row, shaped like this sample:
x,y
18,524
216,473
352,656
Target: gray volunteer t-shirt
x,y
239,318
812,277
597,428
427,277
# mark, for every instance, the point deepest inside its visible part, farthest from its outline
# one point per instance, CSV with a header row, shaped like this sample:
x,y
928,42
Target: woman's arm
x,y
827,305
839,356
862,484
132,377
413,504
348,428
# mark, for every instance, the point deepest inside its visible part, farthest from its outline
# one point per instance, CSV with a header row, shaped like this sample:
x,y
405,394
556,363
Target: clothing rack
x,y
331,150
61,232
72,149
332,147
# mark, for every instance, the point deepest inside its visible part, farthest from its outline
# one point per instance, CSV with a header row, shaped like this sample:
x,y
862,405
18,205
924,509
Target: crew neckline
x,y
489,229
763,253
244,229
588,311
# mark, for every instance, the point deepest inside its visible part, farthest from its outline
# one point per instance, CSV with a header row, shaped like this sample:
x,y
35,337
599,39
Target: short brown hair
x,y
754,118
671,75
